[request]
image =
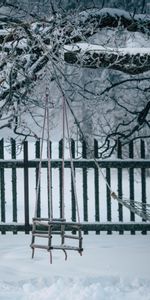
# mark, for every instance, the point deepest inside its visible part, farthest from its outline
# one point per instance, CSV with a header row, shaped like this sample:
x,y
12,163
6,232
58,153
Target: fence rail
x,y
99,197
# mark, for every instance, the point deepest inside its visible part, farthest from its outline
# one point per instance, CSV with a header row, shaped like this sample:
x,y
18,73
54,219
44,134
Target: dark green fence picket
x,y
85,187
26,187
96,186
2,186
50,182
84,165
143,181
14,183
73,202
108,197
60,176
37,156
131,183
120,192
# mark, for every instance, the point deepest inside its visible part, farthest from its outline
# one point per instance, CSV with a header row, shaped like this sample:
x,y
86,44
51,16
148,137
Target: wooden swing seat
x,y
46,228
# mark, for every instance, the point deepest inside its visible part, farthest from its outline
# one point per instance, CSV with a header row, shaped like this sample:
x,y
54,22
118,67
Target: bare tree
x,y
53,50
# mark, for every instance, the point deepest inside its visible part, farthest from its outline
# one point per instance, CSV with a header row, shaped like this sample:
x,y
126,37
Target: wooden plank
x,y
88,227
120,207
96,186
131,182
85,189
73,202
143,182
49,192
37,155
87,163
2,185
60,178
108,196
14,182
26,186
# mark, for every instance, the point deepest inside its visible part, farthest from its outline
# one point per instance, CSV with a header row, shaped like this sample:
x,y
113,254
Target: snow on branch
x,y
110,17
31,50
92,21
129,60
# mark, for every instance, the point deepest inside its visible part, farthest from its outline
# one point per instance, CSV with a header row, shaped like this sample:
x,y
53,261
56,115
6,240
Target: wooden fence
x,y
103,219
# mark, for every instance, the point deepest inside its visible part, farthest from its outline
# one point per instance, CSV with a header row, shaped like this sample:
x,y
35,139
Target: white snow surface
x,y
112,267
85,47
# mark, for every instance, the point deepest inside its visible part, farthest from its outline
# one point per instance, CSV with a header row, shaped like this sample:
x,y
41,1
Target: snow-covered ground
x,y
112,267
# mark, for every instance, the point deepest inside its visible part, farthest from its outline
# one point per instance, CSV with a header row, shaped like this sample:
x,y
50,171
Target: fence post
x,y
96,184
60,175
26,187
72,188
85,191
49,192
108,195
131,183
37,155
14,183
2,185
120,208
143,182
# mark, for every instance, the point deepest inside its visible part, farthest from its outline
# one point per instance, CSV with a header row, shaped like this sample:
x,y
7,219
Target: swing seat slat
x,y
57,247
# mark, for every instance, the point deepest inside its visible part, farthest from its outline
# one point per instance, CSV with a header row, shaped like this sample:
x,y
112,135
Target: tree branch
x,y
92,21
125,60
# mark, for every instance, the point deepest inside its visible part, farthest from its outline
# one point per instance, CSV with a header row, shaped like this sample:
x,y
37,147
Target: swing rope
x,y
49,179
40,163
53,224
71,161
63,161
141,209
65,126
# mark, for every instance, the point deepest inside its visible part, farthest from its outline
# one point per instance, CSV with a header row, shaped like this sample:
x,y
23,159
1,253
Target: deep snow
x,y
112,267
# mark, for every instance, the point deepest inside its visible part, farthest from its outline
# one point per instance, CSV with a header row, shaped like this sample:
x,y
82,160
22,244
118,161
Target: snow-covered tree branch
x,y
130,61
81,51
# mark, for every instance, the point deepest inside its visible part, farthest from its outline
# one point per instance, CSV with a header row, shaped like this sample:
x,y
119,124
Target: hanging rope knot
x,y
47,92
114,196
